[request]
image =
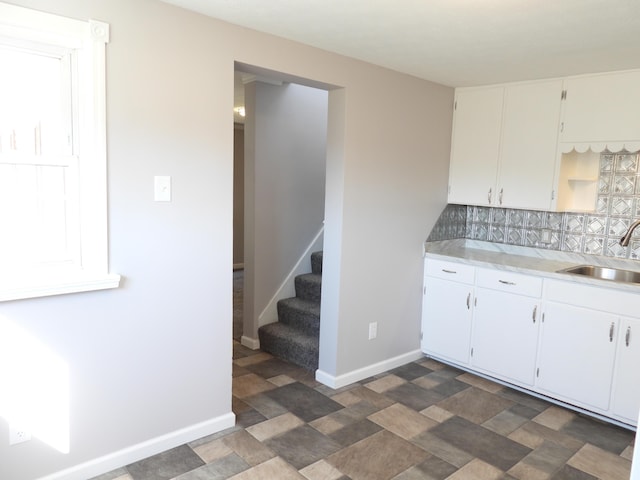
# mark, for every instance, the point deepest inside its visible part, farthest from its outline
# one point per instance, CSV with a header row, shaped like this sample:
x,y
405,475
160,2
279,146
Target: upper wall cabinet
x,y
529,145
601,111
475,145
504,145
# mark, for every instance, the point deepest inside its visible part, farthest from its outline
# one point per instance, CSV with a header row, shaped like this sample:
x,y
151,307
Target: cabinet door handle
x,y
489,196
500,197
448,271
507,282
469,301
627,337
535,313
611,332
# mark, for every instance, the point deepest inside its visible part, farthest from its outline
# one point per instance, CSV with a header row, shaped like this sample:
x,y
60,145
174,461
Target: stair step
x,y
289,343
309,286
301,314
316,262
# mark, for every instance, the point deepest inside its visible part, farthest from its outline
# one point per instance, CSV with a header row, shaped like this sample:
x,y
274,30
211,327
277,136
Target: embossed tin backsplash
x,y
598,233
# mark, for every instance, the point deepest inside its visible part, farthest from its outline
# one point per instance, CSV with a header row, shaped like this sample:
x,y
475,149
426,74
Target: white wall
x,y
154,357
287,166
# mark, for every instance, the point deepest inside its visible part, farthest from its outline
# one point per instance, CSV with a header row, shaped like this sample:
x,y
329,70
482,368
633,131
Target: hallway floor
x,y
424,420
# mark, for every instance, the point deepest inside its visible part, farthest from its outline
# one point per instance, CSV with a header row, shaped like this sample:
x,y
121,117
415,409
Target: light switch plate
x,y
162,188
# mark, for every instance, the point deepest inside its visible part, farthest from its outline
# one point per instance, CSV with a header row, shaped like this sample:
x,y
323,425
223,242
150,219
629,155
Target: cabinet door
x,y
576,354
600,108
626,388
475,146
505,335
529,145
446,319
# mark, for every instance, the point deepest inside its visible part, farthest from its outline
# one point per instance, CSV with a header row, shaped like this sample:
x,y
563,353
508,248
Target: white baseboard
x,y
252,343
368,371
142,450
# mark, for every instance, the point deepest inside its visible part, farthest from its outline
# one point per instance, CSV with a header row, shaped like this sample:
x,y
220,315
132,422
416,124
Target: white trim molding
x,y
368,371
145,449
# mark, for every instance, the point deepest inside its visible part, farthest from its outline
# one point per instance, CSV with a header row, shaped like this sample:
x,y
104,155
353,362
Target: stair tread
x,y
301,304
291,333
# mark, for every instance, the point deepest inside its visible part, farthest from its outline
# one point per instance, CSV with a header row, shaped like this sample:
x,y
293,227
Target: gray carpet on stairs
x,y
295,336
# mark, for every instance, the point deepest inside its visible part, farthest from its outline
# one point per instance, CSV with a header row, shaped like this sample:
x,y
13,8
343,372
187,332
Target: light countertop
x,y
532,261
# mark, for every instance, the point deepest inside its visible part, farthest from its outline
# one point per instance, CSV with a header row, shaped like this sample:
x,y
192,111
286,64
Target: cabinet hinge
x,y
553,194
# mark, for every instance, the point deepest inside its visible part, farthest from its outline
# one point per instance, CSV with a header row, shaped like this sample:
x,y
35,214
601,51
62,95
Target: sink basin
x,y
604,273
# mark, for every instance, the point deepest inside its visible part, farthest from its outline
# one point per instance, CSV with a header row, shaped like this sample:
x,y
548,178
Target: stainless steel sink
x,y
604,273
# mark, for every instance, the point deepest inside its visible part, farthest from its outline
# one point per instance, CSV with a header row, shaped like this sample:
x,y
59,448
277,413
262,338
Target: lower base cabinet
x,y
446,332
576,355
505,335
578,344
625,398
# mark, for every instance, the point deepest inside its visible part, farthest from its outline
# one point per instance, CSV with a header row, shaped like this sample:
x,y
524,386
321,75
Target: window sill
x,y
46,285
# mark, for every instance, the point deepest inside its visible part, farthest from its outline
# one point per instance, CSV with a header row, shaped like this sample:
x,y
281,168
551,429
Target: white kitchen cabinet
x,y
505,325
504,145
625,399
576,354
528,155
578,344
475,146
601,108
447,312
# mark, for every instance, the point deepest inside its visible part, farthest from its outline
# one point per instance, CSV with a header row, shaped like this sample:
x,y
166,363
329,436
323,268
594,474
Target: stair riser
x,y
306,322
308,287
303,354
316,262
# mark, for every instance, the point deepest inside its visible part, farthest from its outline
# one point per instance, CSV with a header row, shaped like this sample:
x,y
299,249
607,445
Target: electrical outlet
x,y
18,435
373,330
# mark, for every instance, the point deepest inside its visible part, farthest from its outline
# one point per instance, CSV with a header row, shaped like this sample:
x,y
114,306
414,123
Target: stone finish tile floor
x,y
424,420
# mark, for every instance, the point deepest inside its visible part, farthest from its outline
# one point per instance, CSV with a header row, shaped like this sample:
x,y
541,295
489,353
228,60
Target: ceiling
x,y
453,42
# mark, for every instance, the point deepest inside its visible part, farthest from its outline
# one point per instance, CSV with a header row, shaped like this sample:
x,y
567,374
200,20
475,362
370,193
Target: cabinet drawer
x,y
509,282
596,298
457,272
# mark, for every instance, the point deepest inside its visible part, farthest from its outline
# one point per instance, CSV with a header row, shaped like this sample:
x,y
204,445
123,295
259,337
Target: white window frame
x,y
88,40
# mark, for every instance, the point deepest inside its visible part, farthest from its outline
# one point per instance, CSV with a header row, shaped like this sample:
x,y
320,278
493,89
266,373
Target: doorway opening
x,y
284,153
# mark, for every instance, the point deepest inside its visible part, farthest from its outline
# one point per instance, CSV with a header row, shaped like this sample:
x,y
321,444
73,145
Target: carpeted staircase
x,y
295,336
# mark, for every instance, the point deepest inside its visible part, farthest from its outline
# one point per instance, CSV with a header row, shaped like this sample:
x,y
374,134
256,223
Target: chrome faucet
x,y
624,241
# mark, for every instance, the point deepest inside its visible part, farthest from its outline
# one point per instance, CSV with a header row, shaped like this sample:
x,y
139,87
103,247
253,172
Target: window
x,y
53,196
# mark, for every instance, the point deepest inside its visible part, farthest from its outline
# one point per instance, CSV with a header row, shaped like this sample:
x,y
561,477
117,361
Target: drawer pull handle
x,y
469,304
535,313
611,332
448,271
627,337
505,282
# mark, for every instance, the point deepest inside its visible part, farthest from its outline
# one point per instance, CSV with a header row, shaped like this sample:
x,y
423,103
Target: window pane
x,y
33,213
33,121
